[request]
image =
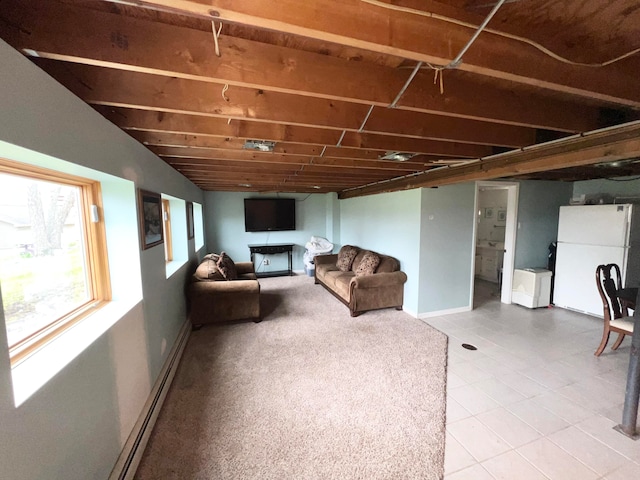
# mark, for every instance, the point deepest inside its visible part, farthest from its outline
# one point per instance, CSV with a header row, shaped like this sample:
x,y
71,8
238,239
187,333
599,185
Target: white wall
x,y
75,425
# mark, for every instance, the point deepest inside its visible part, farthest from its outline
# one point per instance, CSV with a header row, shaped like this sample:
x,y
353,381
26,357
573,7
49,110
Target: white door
x,y
575,278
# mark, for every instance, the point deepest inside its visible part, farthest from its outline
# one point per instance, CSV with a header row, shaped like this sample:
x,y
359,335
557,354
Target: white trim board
x,y
449,311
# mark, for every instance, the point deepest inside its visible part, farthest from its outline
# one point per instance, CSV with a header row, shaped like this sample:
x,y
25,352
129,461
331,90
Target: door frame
x,y
511,227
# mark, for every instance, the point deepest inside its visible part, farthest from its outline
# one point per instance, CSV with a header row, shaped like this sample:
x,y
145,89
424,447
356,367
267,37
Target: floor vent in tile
x,y
468,346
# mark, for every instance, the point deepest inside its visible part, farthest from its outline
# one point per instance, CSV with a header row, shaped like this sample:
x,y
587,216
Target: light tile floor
x,y
533,402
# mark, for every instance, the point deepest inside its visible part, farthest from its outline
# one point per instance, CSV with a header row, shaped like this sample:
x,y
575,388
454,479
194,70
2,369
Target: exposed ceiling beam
x,y
116,41
159,139
249,167
607,145
261,188
584,173
270,158
95,85
361,25
194,124
175,123
315,179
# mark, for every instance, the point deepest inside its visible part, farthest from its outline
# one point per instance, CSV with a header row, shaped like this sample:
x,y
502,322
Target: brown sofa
x,y
382,289
213,299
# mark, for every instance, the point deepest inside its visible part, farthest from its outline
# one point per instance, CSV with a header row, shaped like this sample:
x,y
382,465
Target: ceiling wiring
x,y
518,38
455,63
366,118
406,85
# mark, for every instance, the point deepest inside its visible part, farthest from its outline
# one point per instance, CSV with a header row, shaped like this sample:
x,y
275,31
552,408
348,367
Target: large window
x,y
198,225
166,225
53,265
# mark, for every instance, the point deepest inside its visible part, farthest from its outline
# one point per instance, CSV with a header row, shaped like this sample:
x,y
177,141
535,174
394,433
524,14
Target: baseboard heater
x,y
127,464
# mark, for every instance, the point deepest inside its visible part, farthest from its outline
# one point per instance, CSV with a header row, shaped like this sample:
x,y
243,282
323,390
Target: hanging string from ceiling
x,y
216,34
437,74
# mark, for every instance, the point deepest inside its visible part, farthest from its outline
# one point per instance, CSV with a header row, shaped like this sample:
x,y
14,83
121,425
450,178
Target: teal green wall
x,y
224,224
333,220
446,243
619,187
388,223
538,209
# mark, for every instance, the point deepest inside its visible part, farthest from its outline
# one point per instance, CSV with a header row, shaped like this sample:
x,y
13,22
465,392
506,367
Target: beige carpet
x,y
309,393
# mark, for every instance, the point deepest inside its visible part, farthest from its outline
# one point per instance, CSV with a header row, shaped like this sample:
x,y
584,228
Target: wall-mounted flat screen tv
x,y
269,214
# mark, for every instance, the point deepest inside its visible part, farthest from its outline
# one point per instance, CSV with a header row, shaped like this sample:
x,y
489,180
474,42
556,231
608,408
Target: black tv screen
x,y
269,214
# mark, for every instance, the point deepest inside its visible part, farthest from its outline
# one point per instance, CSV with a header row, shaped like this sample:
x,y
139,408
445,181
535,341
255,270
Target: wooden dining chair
x,y
616,315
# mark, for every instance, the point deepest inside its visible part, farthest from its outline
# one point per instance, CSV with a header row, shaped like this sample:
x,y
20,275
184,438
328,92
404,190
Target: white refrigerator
x,y
590,235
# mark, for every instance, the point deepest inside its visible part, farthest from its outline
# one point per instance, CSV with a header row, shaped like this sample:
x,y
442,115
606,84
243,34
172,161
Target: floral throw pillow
x,y
345,258
368,265
226,267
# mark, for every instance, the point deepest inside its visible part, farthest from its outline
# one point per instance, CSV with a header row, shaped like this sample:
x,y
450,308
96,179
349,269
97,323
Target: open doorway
x,y
495,226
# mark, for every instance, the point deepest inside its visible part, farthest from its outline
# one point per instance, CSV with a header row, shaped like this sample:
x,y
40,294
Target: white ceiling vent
x,y
260,145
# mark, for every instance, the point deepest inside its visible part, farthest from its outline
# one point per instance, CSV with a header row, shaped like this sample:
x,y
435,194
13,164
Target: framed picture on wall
x,y
488,212
150,219
190,232
502,215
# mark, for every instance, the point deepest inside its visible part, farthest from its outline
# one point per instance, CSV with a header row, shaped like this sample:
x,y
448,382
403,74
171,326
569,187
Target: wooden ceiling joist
x,y
185,124
260,168
165,123
157,139
275,158
608,145
306,173
318,77
359,24
110,40
150,92
216,165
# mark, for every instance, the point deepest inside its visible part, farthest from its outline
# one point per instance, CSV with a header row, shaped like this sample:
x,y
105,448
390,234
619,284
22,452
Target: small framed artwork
x,y
150,219
502,215
190,232
488,212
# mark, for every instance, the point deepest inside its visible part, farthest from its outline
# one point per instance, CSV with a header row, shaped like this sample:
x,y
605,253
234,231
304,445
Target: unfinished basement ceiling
x,y
314,80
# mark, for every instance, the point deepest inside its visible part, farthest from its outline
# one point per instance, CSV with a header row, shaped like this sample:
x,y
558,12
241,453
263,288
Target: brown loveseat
x,y
363,291
212,298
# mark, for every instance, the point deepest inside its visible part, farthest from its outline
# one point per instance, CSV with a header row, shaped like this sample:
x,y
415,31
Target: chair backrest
x,y
608,285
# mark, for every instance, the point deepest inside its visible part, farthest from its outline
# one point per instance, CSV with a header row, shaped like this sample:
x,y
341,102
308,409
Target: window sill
x,y
35,371
173,266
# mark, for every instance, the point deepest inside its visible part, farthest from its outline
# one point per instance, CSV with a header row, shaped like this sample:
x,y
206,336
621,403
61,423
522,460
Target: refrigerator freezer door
x,y
594,225
575,280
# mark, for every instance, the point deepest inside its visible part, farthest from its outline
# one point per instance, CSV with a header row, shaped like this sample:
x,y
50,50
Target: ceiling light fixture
x,y
617,163
397,156
247,185
260,145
